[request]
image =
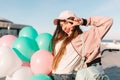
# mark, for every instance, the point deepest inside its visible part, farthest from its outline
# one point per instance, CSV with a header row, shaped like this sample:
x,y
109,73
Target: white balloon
x,y
24,73
9,78
9,61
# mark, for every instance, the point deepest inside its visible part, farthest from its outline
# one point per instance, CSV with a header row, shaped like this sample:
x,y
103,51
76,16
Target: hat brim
x,y
55,21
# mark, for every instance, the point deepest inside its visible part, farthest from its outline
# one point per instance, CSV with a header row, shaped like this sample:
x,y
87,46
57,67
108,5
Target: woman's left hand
x,y
76,22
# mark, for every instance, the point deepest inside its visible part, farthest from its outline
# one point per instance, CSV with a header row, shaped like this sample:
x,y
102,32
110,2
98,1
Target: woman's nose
x,y
64,28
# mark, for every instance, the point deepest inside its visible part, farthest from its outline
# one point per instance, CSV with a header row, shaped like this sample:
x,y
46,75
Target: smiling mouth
x,y
67,31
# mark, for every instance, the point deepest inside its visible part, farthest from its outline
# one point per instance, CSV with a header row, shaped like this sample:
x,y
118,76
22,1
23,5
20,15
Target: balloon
x,y
40,77
29,32
43,40
24,48
7,40
9,61
26,64
41,62
24,73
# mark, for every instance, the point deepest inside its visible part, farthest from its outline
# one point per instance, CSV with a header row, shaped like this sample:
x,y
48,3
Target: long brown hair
x,y
58,35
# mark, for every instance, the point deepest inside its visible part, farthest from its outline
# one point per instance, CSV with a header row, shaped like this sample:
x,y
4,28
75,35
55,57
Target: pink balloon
x,y
26,64
7,40
41,62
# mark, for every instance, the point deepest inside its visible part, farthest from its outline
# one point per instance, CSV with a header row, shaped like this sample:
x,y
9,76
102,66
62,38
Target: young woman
x,y
67,43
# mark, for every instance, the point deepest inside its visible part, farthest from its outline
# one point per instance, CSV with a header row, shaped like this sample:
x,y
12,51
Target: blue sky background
x,y
41,13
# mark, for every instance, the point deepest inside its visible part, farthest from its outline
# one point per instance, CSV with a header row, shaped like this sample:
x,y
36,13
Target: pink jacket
x,y
93,37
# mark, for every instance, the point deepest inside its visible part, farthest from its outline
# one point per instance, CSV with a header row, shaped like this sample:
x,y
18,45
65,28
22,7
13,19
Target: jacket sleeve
x,y
102,24
93,37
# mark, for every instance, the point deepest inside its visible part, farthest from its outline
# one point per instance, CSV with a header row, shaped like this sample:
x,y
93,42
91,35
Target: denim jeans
x,y
63,76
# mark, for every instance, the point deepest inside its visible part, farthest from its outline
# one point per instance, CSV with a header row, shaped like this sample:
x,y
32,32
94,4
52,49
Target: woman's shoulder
x,y
77,38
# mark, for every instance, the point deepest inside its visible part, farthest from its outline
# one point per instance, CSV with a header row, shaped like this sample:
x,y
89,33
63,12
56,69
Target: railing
x,y
110,50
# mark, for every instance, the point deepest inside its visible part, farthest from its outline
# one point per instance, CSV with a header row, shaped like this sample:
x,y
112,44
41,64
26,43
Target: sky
x,y
41,13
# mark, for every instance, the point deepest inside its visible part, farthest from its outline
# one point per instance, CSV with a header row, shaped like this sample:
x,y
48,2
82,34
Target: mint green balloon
x,y
28,31
25,47
44,41
40,77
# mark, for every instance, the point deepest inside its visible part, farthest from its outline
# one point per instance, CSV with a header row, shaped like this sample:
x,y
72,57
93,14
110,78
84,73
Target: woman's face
x,y
67,26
